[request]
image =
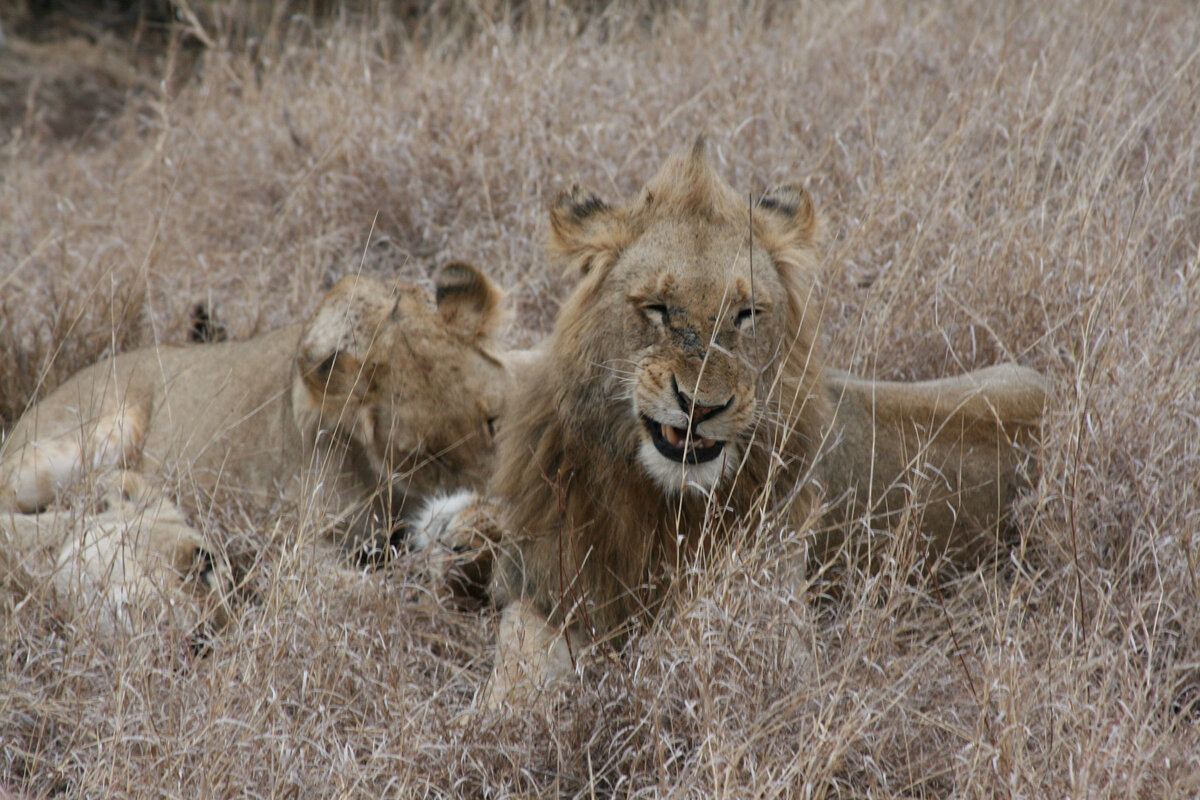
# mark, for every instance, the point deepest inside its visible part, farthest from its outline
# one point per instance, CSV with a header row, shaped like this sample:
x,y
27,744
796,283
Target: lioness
x,y
354,416
683,388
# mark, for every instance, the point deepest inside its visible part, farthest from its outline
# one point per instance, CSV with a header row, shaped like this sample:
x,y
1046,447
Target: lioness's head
x,y
691,299
417,383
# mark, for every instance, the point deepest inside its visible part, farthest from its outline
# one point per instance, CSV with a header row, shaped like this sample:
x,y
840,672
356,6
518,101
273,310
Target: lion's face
x,y
695,317
418,385
689,303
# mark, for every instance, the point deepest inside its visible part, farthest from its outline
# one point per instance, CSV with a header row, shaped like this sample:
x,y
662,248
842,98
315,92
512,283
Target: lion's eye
x,y
491,425
656,313
745,317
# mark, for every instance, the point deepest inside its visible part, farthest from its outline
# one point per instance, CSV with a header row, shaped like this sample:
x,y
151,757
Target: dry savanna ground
x,y
1001,181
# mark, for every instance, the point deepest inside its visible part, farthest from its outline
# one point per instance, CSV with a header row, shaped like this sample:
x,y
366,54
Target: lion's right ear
x,y
792,215
582,228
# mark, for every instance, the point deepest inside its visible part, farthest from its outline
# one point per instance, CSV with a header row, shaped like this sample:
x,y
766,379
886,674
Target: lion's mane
x,y
593,538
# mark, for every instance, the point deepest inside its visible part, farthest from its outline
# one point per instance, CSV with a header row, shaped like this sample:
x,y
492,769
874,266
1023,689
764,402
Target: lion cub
x,y
128,561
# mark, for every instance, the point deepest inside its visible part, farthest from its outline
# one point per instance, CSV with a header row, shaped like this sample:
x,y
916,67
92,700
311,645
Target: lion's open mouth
x,y
673,443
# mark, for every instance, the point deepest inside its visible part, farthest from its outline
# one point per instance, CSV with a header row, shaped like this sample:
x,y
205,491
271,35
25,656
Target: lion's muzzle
x,y
683,444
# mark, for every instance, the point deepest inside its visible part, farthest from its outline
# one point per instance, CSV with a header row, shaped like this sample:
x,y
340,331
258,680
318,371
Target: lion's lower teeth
x,y
676,437
673,436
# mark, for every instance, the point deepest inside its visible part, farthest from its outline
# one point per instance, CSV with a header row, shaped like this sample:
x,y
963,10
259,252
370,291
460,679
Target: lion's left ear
x,y
468,302
336,348
583,227
791,209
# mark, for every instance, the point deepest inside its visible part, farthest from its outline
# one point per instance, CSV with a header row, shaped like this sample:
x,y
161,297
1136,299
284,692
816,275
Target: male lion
x,y
683,388
354,416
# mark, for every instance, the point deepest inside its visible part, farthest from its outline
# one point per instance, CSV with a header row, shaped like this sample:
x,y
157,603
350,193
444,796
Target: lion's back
x,y
212,408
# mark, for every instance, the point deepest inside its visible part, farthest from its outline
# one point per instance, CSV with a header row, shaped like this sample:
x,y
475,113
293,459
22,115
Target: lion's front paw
x,y
456,536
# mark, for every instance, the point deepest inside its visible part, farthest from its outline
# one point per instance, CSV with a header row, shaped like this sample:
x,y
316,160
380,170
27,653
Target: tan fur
x,y
381,398
128,562
687,295
378,400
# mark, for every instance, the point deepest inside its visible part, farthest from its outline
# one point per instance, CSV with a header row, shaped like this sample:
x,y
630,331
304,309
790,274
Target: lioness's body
x,y
223,412
380,398
683,392
221,417
377,400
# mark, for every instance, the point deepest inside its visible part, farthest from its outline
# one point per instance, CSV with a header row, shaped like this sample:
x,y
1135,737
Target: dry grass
x,y
1002,181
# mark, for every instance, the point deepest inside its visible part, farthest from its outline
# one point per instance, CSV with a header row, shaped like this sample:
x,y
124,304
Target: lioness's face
x,y
702,328
418,384
438,403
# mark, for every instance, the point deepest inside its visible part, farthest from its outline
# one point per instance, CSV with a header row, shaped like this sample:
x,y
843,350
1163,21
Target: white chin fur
x,y
673,476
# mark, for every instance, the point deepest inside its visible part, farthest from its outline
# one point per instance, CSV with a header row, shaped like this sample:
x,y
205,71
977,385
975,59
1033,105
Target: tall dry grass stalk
x,y
1003,181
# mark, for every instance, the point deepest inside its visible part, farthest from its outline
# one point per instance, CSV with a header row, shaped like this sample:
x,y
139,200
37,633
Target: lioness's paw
x,y
434,525
456,535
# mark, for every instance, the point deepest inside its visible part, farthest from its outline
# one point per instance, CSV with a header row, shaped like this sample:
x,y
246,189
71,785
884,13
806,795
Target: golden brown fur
x,y
381,398
695,324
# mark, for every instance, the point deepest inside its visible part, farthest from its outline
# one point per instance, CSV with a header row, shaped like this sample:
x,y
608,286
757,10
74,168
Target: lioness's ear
x,y
334,356
792,206
467,301
582,226
337,375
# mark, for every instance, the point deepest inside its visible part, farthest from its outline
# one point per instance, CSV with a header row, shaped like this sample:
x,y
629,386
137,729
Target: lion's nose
x,y
698,413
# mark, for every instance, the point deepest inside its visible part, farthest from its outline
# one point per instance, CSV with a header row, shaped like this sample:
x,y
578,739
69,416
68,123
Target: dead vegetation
x,y
1004,181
